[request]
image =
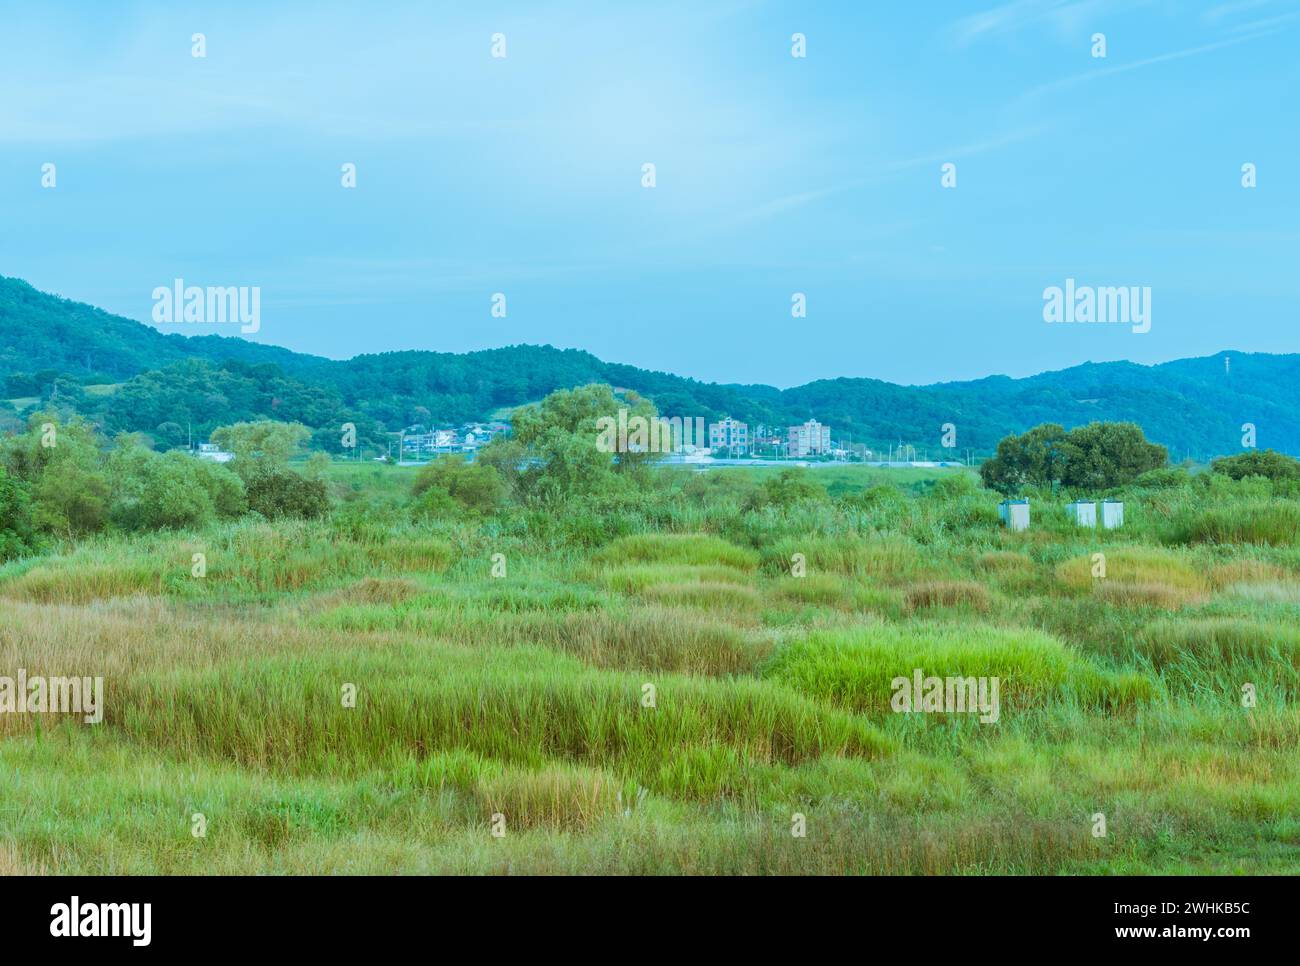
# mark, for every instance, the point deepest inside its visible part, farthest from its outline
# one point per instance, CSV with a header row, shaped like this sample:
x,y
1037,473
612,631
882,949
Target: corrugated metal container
x,y
1112,514
1082,512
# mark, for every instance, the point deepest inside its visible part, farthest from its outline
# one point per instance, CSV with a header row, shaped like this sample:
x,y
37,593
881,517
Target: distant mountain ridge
x,y
51,346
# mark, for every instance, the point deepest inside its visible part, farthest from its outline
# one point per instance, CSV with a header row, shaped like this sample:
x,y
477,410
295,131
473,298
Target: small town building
x,y
730,435
808,439
213,452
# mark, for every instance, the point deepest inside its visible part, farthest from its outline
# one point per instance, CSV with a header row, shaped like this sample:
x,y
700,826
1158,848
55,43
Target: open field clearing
x,y
647,686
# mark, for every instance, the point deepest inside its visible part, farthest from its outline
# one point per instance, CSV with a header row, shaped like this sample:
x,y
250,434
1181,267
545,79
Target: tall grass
x,y
522,695
856,668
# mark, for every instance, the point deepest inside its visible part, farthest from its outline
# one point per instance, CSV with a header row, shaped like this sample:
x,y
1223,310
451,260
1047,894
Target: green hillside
x,y
54,351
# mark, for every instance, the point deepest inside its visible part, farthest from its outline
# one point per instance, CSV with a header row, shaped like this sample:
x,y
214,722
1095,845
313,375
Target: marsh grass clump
x,y
524,706
1003,562
637,578
1273,522
1266,592
1137,576
676,548
854,669
1221,640
947,593
1246,570
256,560
738,600
557,796
890,559
379,590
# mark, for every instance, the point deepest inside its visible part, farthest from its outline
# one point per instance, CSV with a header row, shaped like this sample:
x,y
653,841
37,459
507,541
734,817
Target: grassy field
x,y
501,724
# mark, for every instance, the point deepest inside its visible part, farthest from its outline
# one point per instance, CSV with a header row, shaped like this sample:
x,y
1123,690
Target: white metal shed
x,y
1082,512
1015,514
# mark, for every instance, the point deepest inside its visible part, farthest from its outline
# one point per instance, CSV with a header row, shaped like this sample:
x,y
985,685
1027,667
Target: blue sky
x,y
775,175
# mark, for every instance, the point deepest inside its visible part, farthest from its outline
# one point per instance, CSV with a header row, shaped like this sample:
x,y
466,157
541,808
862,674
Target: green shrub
x,y
1265,463
286,494
787,489
449,484
17,532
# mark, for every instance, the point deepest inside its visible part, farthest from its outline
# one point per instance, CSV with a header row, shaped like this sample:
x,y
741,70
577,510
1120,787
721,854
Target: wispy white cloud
x,y
1174,55
1225,11
1060,16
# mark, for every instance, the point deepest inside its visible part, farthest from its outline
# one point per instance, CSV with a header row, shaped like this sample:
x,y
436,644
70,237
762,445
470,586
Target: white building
x,y
731,435
213,452
809,439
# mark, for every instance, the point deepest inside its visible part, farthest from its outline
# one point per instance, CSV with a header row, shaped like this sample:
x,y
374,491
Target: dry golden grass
x,y
119,638
12,863
1245,570
656,638
555,797
1150,593
1138,576
378,590
947,593
1003,561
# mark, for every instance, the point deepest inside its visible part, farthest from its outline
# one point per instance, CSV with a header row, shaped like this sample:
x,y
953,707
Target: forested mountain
x,y
129,376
